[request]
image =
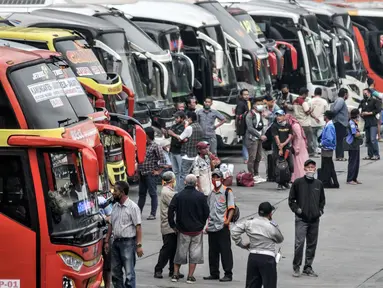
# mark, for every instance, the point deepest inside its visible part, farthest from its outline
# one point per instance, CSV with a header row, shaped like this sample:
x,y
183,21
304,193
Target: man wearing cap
x,y
221,205
175,146
307,201
269,113
169,236
283,134
202,169
263,234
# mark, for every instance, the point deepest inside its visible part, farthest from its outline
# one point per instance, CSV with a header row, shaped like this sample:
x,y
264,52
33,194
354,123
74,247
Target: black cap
x,y
217,172
329,114
180,114
303,90
265,209
269,98
308,162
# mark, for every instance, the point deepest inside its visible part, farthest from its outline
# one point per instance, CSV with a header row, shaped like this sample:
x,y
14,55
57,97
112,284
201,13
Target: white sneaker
x,y
258,179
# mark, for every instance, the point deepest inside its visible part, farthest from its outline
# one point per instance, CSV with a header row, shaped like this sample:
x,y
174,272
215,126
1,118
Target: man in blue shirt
x,y
327,172
340,112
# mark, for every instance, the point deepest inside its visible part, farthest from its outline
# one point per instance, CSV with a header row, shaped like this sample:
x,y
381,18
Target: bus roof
x,y
11,56
9,32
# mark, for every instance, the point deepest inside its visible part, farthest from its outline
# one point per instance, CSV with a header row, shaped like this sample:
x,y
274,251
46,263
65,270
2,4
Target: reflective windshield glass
x,y
81,59
250,27
180,75
171,41
69,203
73,89
41,97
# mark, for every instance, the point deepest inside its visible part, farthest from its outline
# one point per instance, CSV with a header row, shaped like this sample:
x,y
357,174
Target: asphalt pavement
x,y
350,243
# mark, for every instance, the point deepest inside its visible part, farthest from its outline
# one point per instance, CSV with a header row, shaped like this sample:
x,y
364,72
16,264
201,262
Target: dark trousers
x,y
327,173
167,253
341,132
371,141
353,165
305,232
261,270
310,139
220,244
148,185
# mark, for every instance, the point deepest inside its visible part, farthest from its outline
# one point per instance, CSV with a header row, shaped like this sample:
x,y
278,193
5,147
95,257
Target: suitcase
x,y
245,179
270,168
282,171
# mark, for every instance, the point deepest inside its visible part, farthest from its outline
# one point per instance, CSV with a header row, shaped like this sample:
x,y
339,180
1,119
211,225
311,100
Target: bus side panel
x,y
17,254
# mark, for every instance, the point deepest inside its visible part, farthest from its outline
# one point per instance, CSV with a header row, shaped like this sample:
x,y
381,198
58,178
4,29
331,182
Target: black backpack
x,y
282,171
237,213
241,124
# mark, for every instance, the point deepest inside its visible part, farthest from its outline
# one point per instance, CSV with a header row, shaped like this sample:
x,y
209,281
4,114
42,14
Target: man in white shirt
x,y
318,107
202,169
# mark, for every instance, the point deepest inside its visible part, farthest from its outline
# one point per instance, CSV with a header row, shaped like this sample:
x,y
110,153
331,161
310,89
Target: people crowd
x,y
286,131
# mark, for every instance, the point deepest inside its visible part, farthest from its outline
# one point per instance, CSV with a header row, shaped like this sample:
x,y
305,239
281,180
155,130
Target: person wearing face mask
x,y
263,234
285,100
221,205
254,136
169,236
207,118
306,201
202,169
340,111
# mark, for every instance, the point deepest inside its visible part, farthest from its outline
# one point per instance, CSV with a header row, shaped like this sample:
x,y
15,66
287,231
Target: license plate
x,y
169,124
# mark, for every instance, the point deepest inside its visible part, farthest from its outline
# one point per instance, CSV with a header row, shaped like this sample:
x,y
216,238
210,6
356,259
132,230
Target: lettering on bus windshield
x,y
46,90
251,27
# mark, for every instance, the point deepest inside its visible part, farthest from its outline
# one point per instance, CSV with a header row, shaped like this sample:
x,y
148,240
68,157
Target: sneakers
x,y
258,179
180,275
158,275
151,217
280,187
296,272
309,272
211,278
287,186
175,278
226,279
190,280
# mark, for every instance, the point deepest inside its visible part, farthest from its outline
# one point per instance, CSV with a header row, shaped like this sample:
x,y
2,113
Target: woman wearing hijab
x,y
299,144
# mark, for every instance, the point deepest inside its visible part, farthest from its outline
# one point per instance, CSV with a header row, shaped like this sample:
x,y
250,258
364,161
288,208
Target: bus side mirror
x,y
238,57
130,100
130,154
91,168
218,58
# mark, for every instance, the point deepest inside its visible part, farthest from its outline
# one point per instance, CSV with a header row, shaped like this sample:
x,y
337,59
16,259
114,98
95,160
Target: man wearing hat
x,y
269,114
175,145
221,205
263,234
202,169
307,201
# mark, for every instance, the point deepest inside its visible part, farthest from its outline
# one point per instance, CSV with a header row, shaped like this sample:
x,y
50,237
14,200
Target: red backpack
x,y
245,179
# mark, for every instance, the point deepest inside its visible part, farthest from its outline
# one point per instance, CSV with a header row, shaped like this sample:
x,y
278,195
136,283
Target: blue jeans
x,y
245,152
148,183
371,141
176,167
124,257
185,170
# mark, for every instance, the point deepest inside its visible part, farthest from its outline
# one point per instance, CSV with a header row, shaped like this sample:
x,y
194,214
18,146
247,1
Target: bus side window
x,y
14,200
7,115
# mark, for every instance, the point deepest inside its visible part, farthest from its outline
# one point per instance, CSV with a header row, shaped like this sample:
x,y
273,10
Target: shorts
x,y
107,258
189,248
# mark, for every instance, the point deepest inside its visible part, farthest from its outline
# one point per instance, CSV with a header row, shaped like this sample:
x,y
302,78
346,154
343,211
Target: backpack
x,y
282,171
245,179
241,124
236,213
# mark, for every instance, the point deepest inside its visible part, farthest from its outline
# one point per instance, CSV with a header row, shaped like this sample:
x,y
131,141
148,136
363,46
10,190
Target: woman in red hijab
x,y
299,144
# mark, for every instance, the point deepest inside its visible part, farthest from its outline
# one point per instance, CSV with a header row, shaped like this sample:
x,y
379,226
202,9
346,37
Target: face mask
x,y
365,96
260,108
217,183
206,107
310,175
285,93
283,123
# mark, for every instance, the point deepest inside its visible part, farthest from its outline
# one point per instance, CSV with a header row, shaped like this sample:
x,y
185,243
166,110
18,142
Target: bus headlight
x,y
72,260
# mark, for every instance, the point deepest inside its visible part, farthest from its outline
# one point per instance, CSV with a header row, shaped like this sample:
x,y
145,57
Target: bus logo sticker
x,y
43,74
56,102
45,90
71,87
83,71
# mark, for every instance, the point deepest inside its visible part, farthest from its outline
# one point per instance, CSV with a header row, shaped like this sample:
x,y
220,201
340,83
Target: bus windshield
x,y
41,97
70,205
252,28
180,75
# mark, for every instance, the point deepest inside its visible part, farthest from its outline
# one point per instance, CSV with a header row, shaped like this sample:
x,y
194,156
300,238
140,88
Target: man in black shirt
x,y
282,134
175,146
306,201
370,107
243,106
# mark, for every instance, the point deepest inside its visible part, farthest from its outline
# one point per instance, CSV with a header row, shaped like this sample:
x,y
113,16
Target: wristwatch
x,y
139,245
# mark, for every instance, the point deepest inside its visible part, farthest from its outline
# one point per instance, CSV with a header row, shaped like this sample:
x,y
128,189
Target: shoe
x,y
258,179
151,217
191,280
352,183
309,272
358,182
280,187
211,278
287,186
296,272
226,279
158,275
180,276
175,278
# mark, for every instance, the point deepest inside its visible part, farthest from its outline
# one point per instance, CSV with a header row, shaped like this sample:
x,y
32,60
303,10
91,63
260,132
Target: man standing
x,y
169,236
272,107
243,106
206,118
282,134
254,137
180,106
285,100
191,104
340,110
221,205
328,143
370,107
191,211
263,234
202,169
379,97
175,146
307,201
302,112
318,107
148,171
127,237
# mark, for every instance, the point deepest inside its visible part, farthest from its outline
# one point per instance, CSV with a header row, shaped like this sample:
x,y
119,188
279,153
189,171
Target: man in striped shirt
x,y
127,234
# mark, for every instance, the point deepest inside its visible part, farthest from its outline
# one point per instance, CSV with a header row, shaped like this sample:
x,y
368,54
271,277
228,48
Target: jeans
x,y
245,152
185,170
317,131
167,253
176,160
353,165
148,183
309,136
341,132
124,257
213,144
305,232
371,141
